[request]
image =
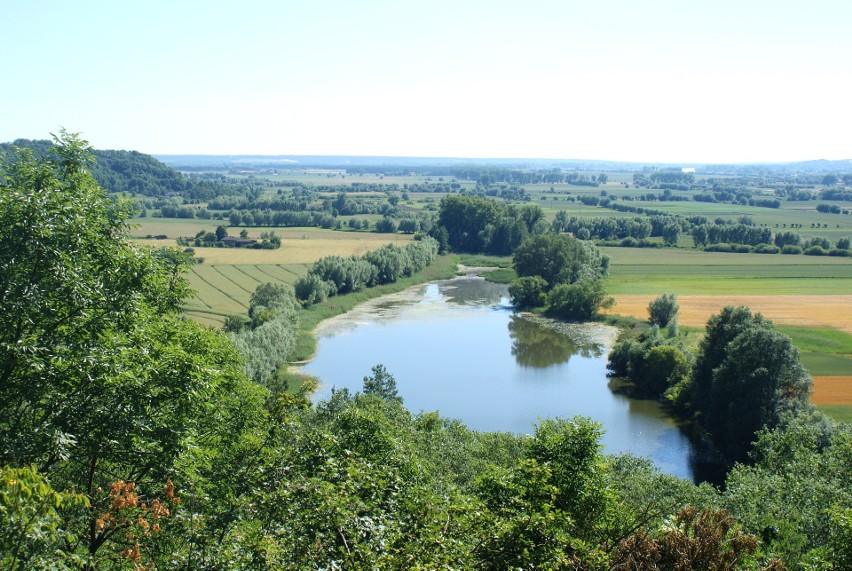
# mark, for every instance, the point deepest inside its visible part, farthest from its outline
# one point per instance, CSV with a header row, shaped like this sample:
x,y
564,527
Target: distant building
x,y
688,170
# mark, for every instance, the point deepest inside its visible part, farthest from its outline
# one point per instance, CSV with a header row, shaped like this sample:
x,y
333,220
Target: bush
x,y
311,289
580,300
766,249
790,249
838,252
529,291
815,251
663,309
664,367
385,226
721,247
742,249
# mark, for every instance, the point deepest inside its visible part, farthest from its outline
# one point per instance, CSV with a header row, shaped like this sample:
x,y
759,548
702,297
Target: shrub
x,y
664,367
528,291
767,249
790,249
663,309
385,226
721,247
311,289
580,300
815,251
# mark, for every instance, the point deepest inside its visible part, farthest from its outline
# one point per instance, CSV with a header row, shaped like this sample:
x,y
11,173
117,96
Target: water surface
x,y
458,348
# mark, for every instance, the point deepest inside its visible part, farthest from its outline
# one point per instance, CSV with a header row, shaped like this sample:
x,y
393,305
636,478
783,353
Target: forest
x,y
134,438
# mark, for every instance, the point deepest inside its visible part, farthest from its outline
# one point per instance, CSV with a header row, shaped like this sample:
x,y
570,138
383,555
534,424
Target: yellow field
x,y
833,311
832,391
298,246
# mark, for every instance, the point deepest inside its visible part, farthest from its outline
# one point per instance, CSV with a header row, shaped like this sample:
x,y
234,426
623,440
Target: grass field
x,y
225,280
649,271
808,298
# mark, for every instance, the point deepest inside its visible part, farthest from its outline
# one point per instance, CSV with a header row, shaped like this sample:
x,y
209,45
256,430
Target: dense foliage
x,y
482,225
746,376
136,173
131,438
561,272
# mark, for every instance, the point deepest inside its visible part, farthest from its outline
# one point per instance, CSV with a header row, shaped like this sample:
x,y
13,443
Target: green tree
x,y
385,225
270,300
663,367
528,291
559,259
759,380
798,481
464,218
747,376
671,233
663,309
720,330
579,300
32,535
100,378
381,384
548,511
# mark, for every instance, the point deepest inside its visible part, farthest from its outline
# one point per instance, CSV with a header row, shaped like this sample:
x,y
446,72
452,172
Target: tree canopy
x,y
559,259
100,378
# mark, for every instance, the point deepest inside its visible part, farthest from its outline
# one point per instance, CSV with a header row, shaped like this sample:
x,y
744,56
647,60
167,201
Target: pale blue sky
x,y
659,80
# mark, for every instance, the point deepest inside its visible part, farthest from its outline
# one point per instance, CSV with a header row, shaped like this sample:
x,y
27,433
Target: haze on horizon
x,y
662,81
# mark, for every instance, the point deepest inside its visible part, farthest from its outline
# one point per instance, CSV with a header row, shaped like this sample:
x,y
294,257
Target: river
x,y
458,347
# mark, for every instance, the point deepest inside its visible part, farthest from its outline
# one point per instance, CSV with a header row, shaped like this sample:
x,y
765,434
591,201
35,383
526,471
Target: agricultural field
x,y
809,222
808,298
226,277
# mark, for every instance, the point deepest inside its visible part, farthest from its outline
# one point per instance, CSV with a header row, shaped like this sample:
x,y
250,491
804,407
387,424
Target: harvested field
x,y
832,391
303,250
834,311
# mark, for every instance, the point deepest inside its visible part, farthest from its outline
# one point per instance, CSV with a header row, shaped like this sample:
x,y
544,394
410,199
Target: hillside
x,y
135,172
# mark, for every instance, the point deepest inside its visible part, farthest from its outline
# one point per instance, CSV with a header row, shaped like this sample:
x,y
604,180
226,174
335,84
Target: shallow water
x,y
457,347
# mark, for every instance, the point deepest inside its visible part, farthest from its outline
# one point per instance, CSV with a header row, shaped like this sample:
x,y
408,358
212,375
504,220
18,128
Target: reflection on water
x,y
456,347
473,291
537,346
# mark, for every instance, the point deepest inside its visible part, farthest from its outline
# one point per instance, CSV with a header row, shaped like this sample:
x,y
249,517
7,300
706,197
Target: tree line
x,y
336,275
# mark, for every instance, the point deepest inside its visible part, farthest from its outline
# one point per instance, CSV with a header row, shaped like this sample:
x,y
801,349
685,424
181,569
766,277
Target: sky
x,y
653,81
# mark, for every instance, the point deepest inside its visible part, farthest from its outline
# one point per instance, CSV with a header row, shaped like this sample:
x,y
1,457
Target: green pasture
x,y
824,352
823,365
828,341
694,272
839,412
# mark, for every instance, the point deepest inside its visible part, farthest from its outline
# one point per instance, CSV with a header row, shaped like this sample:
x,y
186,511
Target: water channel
x,y
457,347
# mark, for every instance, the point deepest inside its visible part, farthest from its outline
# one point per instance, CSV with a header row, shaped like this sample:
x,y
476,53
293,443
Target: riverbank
x,y
441,268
